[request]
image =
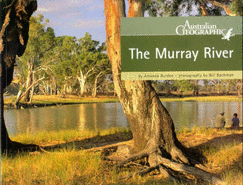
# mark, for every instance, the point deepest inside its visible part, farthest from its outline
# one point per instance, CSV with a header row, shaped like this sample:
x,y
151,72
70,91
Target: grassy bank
x,y
41,100
72,163
206,99
68,136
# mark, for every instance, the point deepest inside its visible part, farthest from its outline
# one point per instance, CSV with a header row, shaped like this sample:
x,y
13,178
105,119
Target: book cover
x,y
121,92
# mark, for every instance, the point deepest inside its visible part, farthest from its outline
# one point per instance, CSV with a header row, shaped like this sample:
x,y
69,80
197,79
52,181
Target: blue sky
x,y
75,17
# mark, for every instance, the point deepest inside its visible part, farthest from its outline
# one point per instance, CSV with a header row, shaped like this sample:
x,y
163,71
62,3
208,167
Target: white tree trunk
x,y
82,82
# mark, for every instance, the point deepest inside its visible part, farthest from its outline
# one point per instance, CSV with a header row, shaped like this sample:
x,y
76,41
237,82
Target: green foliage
x,y
183,85
158,8
67,63
61,57
236,7
152,7
80,60
41,40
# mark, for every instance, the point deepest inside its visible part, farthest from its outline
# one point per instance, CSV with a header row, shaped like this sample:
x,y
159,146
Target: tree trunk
x,y
5,140
13,41
64,91
16,102
82,87
152,127
195,88
82,82
29,82
150,122
94,93
32,90
22,94
238,84
54,85
31,95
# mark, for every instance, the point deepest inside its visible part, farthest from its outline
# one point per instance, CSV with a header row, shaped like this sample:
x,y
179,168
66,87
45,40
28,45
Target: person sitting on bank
x,y
220,120
235,121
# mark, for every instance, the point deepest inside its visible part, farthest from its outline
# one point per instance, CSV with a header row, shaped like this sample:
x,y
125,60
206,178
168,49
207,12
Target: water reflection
x,y
106,115
190,114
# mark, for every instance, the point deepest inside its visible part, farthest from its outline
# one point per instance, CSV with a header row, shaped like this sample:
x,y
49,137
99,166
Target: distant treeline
x,y
66,65
199,87
61,65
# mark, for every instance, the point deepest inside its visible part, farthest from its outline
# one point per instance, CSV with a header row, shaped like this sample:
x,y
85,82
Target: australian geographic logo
x,y
204,29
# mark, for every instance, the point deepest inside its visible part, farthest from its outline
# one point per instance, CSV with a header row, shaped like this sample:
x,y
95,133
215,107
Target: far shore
x,y
56,100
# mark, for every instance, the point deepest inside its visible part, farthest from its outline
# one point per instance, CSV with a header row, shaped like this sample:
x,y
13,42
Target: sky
x,y
74,17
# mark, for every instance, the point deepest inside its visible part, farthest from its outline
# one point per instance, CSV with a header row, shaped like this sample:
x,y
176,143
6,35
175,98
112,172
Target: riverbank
x,y
53,100
75,157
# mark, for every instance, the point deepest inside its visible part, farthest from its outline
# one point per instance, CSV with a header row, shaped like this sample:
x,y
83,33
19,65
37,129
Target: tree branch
x,y
23,94
225,7
203,7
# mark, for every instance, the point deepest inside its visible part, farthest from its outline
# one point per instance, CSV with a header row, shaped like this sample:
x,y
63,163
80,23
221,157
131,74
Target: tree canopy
x,y
64,64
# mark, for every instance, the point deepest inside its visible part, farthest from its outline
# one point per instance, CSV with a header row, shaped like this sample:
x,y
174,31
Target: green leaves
x,y
65,60
183,85
236,7
160,8
41,41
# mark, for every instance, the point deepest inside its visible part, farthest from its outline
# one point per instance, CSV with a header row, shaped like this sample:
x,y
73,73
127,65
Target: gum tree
x,y
15,15
152,127
41,41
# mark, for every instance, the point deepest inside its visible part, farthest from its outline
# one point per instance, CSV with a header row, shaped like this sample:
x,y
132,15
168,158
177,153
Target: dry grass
x,y
223,149
67,136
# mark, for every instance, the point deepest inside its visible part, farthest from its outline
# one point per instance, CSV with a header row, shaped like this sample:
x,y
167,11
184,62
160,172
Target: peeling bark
x,y
150,122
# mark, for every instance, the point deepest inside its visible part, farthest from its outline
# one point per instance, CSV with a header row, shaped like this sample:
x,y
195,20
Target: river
x,y
99,116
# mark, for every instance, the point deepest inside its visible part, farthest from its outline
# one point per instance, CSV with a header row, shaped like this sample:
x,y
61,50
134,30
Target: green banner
x,y
175,45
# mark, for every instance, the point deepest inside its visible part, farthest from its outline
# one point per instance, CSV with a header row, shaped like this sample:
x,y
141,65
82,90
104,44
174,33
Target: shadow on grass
x,y
217,142
225,144
93,142
232,171
15,148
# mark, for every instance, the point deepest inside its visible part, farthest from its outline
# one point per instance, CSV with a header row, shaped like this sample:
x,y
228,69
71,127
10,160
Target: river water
x,y
99,116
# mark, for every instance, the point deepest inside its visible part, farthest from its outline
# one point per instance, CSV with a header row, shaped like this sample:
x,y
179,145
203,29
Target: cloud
x,y
66,6
42,10
74,17
88,24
